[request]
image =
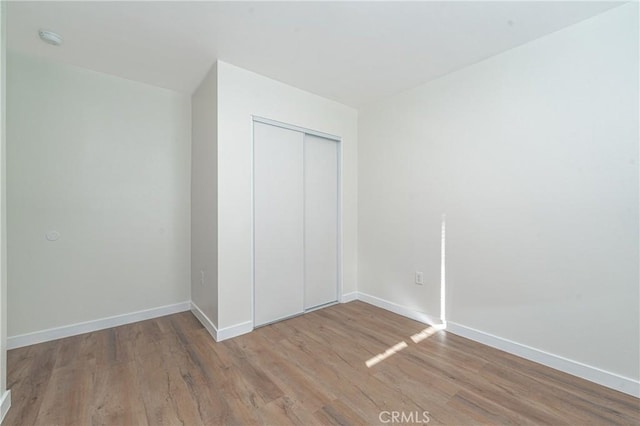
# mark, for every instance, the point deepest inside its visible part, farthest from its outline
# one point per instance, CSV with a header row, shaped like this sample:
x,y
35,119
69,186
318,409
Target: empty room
x,y
320,213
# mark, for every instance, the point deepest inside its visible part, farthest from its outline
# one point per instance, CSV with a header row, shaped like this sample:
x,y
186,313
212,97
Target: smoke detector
x,y
50,37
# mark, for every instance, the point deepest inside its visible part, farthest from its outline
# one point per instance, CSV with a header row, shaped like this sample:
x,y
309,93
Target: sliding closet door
x,y
321,221
278,223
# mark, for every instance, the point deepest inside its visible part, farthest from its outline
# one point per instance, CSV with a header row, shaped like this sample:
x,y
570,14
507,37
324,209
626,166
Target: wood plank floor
x,y
307,370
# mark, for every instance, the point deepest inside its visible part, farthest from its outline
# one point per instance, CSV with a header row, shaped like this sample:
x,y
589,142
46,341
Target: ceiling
x,y
352,52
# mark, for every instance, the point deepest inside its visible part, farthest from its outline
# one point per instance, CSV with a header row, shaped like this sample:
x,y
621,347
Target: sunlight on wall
x,y
443,281
431,330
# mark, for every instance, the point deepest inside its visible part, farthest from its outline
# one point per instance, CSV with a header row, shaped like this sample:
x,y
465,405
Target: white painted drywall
x,y
105,162
3,203
242,94
533,157
204,196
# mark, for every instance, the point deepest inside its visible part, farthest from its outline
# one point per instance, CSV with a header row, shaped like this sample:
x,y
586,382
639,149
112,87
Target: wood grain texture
x,y
307,370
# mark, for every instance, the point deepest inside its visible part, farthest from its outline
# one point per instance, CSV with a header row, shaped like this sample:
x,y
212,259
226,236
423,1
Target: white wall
x,y
533,157
204,196
242,94
5,399
105,162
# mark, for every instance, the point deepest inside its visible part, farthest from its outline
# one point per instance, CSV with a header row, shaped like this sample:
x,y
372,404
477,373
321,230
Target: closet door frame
x,y
338,140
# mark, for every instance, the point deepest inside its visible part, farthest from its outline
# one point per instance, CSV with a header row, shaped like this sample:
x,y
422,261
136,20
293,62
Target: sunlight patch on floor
x,y
429,331
386,354
416,338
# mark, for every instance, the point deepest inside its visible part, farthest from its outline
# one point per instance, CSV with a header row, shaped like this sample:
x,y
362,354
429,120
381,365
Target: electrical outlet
x,y
201,277
419,278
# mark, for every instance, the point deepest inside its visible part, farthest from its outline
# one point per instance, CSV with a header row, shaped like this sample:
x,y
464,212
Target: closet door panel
x,y
278,223
321,221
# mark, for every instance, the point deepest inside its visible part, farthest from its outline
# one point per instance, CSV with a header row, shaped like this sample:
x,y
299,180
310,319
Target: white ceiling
x,y
352,52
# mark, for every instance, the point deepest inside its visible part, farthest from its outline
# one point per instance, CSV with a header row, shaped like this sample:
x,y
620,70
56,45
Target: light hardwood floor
x,y
307,370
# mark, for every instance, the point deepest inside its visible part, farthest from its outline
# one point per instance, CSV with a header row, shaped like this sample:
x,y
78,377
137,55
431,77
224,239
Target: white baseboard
x,y
5,404
399,309
205,321
593,374
21,340
349,297
587,372
234,331
224,333
575,368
